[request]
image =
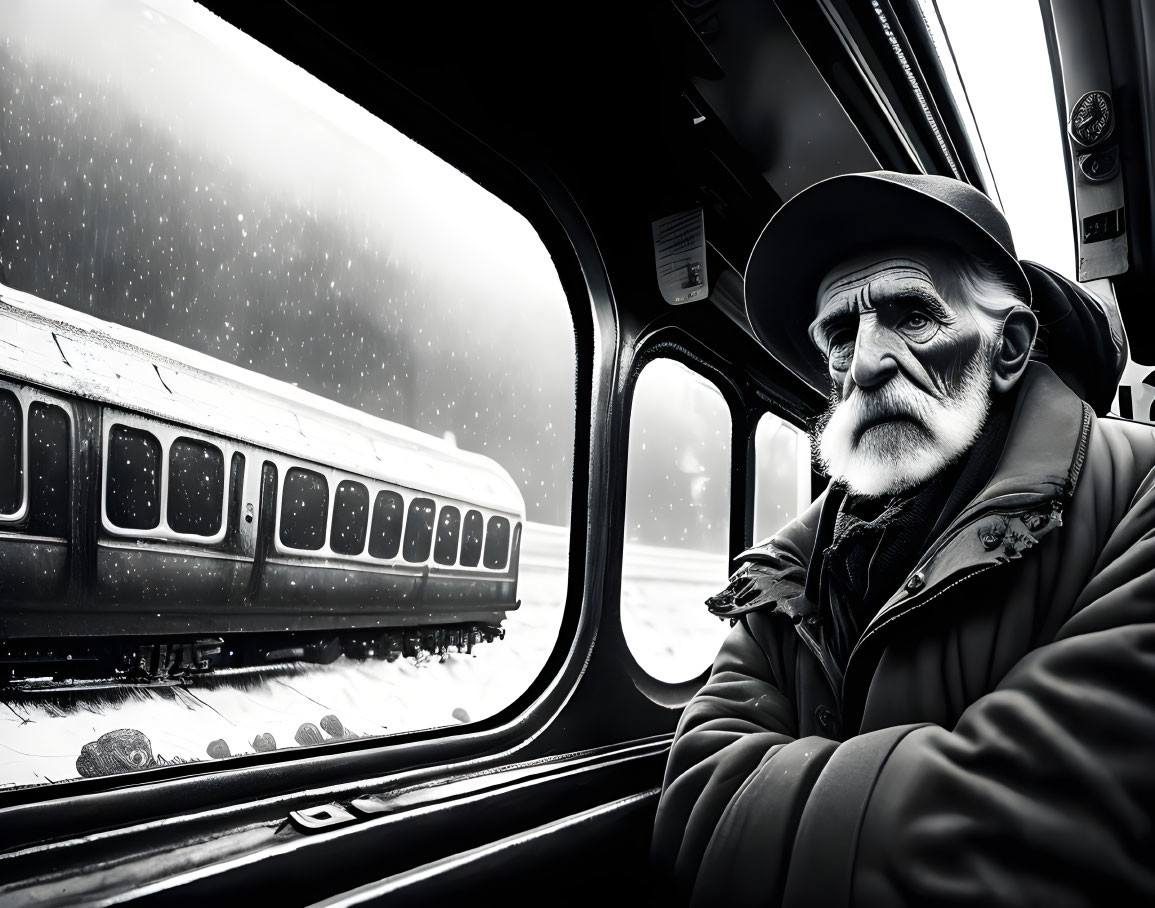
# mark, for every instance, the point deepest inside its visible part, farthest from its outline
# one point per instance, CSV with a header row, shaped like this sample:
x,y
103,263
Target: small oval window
x,y
448,531
304,509
350,518
196,487
419,529
385,540
497,543
471,535
133,478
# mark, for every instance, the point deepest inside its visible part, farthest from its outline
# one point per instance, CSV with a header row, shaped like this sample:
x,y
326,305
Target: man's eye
x,y
917,324
839,347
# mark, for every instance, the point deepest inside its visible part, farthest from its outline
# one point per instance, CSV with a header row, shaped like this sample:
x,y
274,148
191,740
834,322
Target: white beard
x,y
897,456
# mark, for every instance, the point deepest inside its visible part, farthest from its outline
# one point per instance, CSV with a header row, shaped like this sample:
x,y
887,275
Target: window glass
x,y
471,539
387,512
196,487
49,481
133,501
419,529
497,543
304,509
781,474
224,243
677,520
350,518
11,435
448,529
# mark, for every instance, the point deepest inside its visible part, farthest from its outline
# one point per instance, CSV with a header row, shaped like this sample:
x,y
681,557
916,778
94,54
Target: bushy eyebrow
x,y
911,294
914,294
831,319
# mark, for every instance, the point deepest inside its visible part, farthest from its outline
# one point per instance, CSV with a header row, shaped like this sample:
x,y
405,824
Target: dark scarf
x,y
870,545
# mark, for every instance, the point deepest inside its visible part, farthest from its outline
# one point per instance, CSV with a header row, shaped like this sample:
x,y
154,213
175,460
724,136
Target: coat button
x,y
916,582
813,621
1036,522
991,533
824,716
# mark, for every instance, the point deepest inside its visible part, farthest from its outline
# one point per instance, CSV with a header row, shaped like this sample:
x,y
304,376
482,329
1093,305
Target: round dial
x,y
1091,118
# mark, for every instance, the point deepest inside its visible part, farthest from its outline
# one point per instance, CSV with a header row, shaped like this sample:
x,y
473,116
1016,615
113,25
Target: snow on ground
x,y
40,740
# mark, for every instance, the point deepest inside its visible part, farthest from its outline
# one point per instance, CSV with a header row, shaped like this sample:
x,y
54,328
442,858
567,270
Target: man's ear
x,y
1013,349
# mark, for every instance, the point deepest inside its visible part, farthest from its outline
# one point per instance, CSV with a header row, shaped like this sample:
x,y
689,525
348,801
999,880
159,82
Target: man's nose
x,y
875,357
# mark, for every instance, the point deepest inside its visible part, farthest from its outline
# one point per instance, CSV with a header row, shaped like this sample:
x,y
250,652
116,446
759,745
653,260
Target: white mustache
x,y
929,434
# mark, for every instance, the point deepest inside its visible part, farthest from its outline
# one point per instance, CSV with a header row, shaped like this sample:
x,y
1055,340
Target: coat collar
x,y
1021,502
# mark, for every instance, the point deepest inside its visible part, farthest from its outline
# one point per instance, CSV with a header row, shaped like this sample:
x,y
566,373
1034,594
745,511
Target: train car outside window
x,y
419,529
448,530
350,518
471,534
304,509
781,474
388,512
196,487
133,493
11,440
677,520
343,311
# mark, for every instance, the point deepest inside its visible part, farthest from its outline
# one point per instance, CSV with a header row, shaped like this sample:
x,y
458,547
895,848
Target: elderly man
x,y
940,684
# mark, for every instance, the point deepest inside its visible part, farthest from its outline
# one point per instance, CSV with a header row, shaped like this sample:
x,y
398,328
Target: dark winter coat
x,y
993,739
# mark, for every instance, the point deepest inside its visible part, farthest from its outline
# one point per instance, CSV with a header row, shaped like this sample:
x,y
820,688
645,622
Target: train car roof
x,y
52,346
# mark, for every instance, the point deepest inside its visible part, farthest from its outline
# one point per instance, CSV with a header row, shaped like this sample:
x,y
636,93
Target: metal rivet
x,y
916,582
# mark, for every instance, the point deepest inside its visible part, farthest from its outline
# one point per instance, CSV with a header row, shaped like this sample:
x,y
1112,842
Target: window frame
x,y
68,808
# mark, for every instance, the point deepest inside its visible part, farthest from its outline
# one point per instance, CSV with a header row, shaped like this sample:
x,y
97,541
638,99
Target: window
x,y
49,447
196,487
133,501
497,543
304,509
350,518
386,337
386,539
448,528
677,520
781,475
11,439
471,539
419,529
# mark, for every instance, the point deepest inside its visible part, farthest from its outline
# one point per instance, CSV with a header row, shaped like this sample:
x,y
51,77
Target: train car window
x,y
305,509
677,512
471,534
448,530
419,529
49,481
196,487
781,474
219,245
133,493
497,543
350,518
388,510
11,440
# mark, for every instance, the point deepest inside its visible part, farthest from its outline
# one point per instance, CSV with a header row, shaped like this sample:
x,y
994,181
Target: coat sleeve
x,y
1043,792
736,782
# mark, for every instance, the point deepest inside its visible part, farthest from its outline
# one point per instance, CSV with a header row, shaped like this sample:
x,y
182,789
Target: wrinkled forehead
x,y
855,283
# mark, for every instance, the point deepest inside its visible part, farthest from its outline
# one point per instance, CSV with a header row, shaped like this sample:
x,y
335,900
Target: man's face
x,y
911,374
